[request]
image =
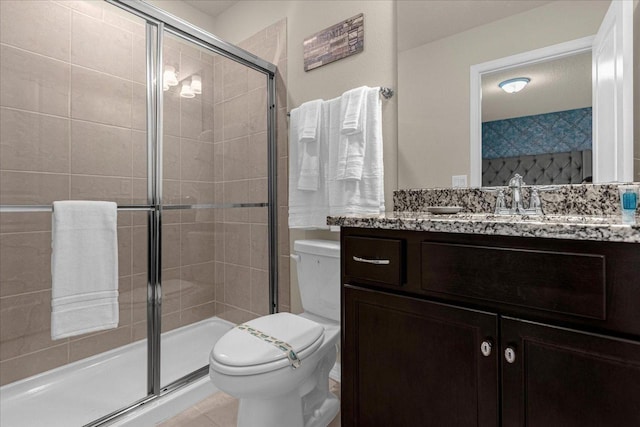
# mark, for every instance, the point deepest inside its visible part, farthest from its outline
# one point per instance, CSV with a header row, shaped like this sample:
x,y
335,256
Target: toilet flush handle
x,y
295,257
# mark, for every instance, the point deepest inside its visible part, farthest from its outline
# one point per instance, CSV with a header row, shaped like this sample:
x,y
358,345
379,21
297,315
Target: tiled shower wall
x,y
73,127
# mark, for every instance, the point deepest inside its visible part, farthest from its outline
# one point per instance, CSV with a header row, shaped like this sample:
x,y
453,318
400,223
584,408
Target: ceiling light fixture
x,y
514,85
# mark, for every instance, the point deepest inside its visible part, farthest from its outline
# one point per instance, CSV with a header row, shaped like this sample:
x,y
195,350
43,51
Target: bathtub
x,y
83,391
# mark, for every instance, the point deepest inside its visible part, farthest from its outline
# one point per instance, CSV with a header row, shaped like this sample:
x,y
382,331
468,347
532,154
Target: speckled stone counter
x,y
576,212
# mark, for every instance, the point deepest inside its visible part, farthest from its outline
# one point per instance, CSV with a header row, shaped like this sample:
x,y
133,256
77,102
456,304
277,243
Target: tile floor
x,y
220,410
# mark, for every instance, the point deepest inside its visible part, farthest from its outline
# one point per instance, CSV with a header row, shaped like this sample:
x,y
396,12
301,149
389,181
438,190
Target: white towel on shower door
x,y
84,268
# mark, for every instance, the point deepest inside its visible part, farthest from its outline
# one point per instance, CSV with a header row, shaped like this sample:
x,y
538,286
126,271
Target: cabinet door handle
x,y
371,261
486,347
510,354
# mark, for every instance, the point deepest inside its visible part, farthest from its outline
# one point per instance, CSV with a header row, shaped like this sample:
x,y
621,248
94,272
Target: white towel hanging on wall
x,y
84,268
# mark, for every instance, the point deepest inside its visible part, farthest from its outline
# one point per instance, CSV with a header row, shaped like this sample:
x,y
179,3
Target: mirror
x,y
435,54
541,129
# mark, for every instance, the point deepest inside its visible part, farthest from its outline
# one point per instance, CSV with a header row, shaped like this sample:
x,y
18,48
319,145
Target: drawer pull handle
x,y
510,354
486,348
371,261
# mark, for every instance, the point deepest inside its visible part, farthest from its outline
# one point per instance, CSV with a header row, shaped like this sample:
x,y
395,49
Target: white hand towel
x,y
353,115
307,209
84,268
364,196
307,120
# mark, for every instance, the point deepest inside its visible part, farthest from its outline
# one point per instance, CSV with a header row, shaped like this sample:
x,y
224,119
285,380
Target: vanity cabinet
x,y
443,329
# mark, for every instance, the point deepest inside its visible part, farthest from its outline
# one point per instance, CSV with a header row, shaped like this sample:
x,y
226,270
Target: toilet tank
x,y
318,265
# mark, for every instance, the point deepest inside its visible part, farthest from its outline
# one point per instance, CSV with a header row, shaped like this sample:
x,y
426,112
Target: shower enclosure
x,y
120,101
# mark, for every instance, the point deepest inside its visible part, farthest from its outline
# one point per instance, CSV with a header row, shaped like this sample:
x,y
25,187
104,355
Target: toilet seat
x,y
240,353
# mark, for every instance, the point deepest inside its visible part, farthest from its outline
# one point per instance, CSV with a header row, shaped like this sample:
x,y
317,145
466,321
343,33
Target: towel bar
x,y
386,93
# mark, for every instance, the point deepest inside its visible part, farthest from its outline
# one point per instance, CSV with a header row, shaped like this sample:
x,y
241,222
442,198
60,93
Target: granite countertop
x,y
575,227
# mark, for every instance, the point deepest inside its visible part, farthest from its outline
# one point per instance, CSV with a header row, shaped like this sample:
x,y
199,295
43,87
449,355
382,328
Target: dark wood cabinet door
x,y
410,362
566,378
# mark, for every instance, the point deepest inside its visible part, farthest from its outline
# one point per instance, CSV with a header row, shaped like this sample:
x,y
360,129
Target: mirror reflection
x,y
434,61
536,121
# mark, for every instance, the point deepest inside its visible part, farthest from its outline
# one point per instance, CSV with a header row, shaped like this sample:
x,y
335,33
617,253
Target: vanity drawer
x,y
374,259
560,282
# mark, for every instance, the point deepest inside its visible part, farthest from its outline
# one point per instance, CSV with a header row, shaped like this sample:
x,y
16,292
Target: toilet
x,y
247,364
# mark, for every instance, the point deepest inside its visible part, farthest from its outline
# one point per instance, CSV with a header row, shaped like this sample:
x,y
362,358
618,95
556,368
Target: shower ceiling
x,y
211,8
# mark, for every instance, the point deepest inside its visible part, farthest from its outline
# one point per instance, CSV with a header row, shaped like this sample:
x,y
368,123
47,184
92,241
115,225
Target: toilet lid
x,y
239,348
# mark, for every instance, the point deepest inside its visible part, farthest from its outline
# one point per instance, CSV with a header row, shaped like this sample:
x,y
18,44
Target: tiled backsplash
x,y
579,199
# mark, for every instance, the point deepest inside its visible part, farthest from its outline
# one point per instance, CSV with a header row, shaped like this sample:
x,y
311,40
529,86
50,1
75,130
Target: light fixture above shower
x,y
191,86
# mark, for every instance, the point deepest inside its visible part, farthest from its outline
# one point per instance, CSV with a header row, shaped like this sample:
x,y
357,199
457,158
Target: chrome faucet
x,y
517,201
515,184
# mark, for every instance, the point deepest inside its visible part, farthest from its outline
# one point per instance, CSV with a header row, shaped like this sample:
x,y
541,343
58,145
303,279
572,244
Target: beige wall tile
x,y
99,342
283,231
258,155
218,81
218,162
26,188
237,244
100,149
258,215
26,263
198,193
33,363
235,80
171,294
196,160
125,301
258,190
25,324
171,157
124,20
125,242
282,135
259,247
33,82
100,46
41,27
139,62
171,195
283,181
139,141
197,313
16,222
218,122
219,281
236,159
234,314
139,299
196,119
85,187
256,80
100,98
33,142
139,242
260,292
139,107
218,242
284,293
257,109
170,246
237,286
171,321
94,9
171,112
198,284
236,192
236,117
197,243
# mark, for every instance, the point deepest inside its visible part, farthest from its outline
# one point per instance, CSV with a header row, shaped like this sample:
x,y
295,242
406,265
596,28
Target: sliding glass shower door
x,y
119,101
215,240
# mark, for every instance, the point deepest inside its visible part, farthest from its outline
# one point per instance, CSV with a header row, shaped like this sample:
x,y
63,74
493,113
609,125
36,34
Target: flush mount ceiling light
x,y
514,85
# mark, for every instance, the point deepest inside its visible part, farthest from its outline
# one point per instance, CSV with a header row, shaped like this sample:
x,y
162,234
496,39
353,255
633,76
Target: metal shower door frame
x,y
157,23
